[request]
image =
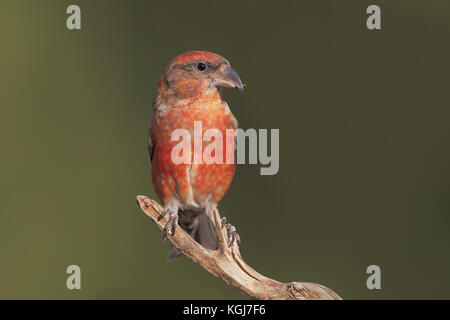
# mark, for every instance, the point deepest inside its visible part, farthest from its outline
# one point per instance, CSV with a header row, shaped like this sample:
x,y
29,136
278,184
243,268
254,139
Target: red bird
x,y
189,90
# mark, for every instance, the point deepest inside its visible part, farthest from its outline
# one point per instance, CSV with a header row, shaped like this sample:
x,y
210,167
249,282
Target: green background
x,y
364,145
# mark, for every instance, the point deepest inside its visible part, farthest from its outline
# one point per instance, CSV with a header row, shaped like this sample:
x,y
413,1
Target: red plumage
x,y
188,91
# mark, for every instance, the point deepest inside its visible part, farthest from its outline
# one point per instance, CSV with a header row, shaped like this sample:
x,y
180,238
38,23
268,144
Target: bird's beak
x,y
229,78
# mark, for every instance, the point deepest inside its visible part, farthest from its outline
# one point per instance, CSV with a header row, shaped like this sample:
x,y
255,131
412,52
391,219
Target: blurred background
x,y
364,145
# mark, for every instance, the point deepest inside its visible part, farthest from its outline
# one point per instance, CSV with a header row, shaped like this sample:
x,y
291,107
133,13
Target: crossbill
x,y
189,90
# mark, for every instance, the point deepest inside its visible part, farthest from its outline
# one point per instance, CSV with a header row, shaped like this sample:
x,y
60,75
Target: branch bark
x,y
227,264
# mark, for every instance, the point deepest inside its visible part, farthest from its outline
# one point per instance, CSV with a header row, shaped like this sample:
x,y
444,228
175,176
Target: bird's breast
x,y
196,181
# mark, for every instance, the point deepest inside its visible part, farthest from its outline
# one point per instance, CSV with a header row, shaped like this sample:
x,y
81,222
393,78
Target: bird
x,y
190,91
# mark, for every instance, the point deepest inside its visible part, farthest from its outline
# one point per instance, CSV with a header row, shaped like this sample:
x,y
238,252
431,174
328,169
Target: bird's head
x,y
198,73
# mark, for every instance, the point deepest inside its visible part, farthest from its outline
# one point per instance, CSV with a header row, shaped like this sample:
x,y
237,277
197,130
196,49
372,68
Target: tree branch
x,y
227,264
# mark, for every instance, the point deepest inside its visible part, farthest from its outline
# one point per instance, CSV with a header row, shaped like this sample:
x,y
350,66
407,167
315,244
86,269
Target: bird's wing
x,y
159,110
151,146
150,142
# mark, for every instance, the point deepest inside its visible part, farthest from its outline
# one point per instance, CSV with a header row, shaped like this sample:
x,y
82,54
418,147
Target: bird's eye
x,y
201,66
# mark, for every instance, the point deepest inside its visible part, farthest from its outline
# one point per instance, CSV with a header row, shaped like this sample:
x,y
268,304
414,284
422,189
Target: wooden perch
x,y
227,264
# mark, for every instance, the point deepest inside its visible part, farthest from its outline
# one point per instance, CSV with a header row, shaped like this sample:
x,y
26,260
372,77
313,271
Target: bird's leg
x,y
231,233
172,223
210,207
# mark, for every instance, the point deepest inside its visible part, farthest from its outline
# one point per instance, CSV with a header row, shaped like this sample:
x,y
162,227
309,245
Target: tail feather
x,y
200,227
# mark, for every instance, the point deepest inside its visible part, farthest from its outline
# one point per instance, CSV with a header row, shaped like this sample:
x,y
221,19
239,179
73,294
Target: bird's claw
x,y
232,234
224,221
171,225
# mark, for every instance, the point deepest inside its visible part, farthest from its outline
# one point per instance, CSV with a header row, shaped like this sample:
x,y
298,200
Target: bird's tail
x,y
200,227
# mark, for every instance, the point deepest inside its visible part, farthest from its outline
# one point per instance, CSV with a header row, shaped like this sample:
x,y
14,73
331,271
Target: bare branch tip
x,y
227,264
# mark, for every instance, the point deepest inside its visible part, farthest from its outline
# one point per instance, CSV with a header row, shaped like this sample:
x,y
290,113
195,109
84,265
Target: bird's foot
x,y
171,225
231,233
